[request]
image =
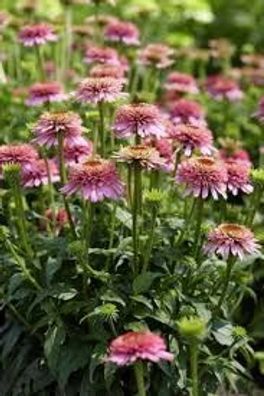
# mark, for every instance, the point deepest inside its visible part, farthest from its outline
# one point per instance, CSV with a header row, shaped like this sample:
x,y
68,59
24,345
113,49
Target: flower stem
x,y
199,219
135,211
194,368
149,243
102,127
229,266
255,202
139,374
40,62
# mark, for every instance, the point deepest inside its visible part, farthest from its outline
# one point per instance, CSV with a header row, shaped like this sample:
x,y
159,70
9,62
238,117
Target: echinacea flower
x,y
21,154
111,71
231,150
185,111
46,92
95,179
238,177
165,149
259,114
192,137
51,124
123,32
203,176
77,151
37,173
156,55
132,346
220,88
147,157
181,82
37,34
104,89
231,240
103,55
140,119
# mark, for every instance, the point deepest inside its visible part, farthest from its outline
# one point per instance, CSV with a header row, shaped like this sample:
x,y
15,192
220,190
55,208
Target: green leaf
x,y
124,217
223,333
143,282
52,346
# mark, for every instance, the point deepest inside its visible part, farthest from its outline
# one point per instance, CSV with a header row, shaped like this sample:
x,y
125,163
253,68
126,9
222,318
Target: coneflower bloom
x,y
165,149
37,34
46,92
138,345
111,71
104,89
78,151
104,55
17,153
260,112
232,151
51,124
147,157
181,82
238,177
140,119
123,32
156,55
186,111
203,176
95,179
231,240
35,173
220,88
192,137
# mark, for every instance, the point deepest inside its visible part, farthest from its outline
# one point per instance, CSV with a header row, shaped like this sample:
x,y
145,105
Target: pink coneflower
x,y
131,346
231,151
140,119
46,92
259,114
203,176
165,150
147,157
123,32
181,82
192,137
17,153
231,240
220,87
156,55
238,177
37,34
111,71
78,151
50,125
95,179
104,89
35,173
104,55
186,111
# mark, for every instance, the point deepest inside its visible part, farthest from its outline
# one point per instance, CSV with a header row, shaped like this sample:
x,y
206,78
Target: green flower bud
x,y
76,248
257,176
259,356
239,332
12,174
193,327
154,196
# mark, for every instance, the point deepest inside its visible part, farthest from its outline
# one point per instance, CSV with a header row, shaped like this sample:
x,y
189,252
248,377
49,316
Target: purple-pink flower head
x,y
37,34
203,176
103,55
123,32
238,177
192,137
231,240
21,154
140,119
156,55
95,179
221,87
104,89
37,173
78,151
50,125
182,83
99,71
46,92
260,112
185,111
145,156
133,346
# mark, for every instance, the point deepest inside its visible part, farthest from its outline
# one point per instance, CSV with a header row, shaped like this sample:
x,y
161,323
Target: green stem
x,y
135,211
50,194
139,374
102,127
88,220
149,243
254,206
40,62
187,222
194,368
229,266
199,219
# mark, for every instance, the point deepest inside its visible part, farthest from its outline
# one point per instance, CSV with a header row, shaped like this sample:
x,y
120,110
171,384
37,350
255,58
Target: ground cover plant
x,y
132,180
